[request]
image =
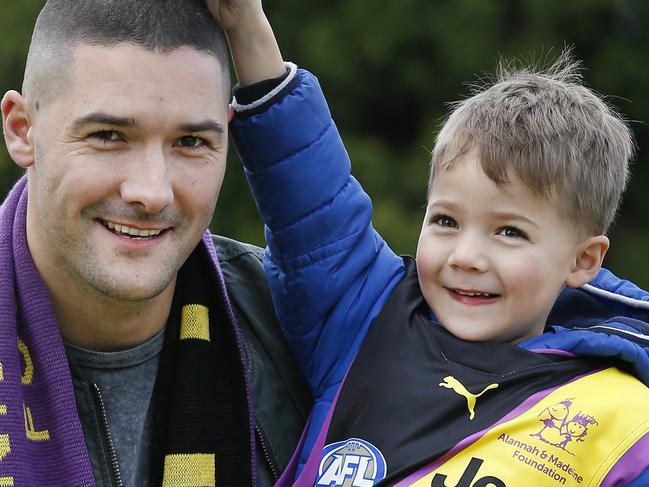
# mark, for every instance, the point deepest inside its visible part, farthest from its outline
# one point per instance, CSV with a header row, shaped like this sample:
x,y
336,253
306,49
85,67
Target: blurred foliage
x,y
389,68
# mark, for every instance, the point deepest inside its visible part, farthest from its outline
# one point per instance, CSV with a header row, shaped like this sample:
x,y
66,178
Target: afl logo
x,y
351,463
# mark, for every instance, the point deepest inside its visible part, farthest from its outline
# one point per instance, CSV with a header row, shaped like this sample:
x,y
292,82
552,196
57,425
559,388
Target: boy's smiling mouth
x,y
472,297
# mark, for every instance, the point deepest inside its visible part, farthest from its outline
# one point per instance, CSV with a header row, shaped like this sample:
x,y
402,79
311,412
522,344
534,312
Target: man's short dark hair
x,y
157,25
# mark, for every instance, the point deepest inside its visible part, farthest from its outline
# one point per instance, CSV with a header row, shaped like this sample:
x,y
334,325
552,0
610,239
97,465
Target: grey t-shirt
x,y
125,379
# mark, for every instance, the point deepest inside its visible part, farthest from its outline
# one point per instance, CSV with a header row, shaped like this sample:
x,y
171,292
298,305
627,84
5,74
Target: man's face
x,y
129,164
491,260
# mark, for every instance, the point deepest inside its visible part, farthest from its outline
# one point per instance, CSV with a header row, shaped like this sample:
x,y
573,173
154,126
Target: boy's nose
x,y
468,255
148,183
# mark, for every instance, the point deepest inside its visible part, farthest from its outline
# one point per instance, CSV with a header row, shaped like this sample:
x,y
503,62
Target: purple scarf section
x,y
41,439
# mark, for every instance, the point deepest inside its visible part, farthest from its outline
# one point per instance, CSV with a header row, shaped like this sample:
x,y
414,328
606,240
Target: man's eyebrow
x,y
204,126
102,118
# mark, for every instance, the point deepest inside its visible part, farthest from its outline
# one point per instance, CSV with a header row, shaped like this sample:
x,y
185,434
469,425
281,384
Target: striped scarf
x,y
204,433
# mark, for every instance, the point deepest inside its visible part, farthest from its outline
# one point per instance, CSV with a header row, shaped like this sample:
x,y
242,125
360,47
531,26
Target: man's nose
x,y
469,254
148,182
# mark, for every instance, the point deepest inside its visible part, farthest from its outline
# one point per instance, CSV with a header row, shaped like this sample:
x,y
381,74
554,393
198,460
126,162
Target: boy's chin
x,y
471,332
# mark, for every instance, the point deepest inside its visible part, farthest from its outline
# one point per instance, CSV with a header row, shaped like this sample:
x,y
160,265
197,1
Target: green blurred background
x,y
388,68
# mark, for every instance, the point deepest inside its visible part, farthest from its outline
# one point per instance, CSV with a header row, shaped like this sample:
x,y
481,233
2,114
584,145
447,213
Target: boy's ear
x,y
588,261
16,125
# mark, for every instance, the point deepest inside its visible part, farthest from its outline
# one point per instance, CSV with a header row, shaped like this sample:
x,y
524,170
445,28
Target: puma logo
x,y
451,382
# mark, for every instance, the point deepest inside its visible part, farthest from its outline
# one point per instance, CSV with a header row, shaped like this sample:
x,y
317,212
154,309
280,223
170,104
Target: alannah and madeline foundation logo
x,y
561,428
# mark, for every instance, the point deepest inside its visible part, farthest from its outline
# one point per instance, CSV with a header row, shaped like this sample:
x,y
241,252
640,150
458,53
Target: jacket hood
x,y
608,317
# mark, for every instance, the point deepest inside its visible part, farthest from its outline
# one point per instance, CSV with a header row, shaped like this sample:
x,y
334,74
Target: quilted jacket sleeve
x,y
330,271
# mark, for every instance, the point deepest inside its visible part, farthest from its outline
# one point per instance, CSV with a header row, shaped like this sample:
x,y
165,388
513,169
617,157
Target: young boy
x,y
453,369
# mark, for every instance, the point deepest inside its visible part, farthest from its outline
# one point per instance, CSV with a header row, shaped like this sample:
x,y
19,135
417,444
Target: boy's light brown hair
x,y
559,137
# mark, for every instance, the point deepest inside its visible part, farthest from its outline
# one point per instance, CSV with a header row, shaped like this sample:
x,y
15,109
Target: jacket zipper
x,y
264,447
112,455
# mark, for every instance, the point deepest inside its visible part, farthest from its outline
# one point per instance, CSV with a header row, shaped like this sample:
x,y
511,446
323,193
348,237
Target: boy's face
x,y
492,261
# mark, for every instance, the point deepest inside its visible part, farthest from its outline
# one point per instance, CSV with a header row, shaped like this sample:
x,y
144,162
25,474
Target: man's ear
x,y
16,125
588,261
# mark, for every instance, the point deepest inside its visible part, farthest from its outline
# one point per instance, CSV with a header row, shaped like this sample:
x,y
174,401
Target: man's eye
x,y
191,142
444,221
512,232
106,136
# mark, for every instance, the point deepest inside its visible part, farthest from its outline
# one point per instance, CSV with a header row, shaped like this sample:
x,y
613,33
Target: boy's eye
x,y
444,221
191,142
106,136
512,232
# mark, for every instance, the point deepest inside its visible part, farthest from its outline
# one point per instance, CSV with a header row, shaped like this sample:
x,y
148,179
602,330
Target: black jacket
x,y
281,399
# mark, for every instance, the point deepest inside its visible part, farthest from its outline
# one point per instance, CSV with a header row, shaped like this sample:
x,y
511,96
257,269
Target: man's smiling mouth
x,y
130,231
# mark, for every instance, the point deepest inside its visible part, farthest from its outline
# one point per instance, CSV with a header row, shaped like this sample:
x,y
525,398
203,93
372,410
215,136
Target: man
x,y
119,325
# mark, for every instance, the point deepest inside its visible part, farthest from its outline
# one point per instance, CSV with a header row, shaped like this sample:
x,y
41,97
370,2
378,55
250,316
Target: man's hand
x,y
254,49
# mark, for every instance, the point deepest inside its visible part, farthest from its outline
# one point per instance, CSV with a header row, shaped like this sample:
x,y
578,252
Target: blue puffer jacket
x,y
331,272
